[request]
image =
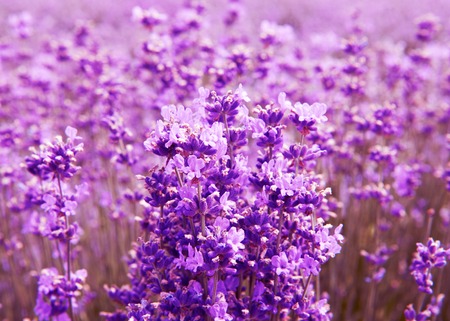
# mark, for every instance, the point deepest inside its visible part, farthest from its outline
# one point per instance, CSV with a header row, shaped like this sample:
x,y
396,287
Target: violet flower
x,y
428,257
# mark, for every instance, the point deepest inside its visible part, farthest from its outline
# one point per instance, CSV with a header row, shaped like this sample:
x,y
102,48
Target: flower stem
x,y
371,305
280,228
238,290
430,216
275,316
180,181
306,286
161,218
216,281
202,215
68,248
230,146
314,221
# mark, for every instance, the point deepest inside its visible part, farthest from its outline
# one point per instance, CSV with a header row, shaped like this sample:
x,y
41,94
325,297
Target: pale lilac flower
x,y
71,133
288,184
283,102
157,43
177,135
21,23
148,17
187,191
69,207
274,168
310,265
273,33
222,149
242,94
212,136
49,203
235,238
82,191
176,162
257,127
194,259
199,103
281,264
226,205
219,309
195,166
329,244
169,113
221,224
309,112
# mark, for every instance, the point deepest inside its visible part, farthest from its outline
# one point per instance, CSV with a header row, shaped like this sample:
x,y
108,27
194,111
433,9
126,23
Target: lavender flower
x,y
21,24
209,219
55,158
427,27
55,292
431,310
428,257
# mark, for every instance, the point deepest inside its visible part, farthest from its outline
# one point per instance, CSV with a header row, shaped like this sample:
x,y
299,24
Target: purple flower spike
x,y
425,259
55,291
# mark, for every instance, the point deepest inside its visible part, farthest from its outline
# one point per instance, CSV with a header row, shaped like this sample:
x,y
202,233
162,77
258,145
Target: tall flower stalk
x,y
51,164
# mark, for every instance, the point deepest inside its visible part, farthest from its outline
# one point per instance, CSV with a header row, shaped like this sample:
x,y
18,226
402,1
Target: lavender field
x,y
222,160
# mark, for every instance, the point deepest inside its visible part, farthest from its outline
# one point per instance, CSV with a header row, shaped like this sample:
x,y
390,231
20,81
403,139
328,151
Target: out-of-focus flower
x,y
21,23
428,26
149,18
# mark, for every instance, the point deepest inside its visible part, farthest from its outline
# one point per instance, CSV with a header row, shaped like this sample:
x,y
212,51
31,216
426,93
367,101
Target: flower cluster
x,y
51,164
431,310
428,257
52,206
227,240
55,159
55,292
